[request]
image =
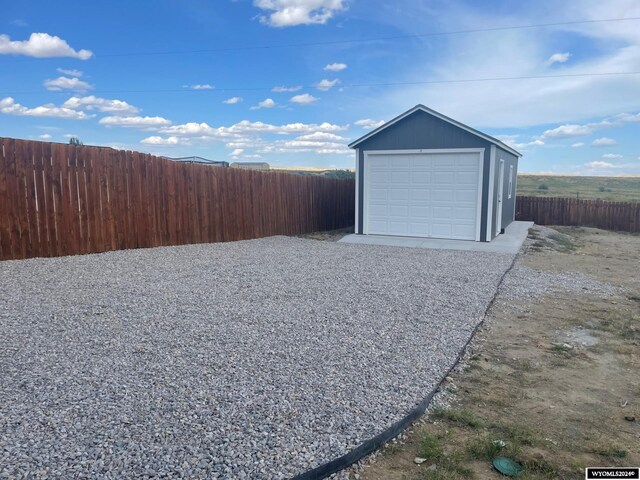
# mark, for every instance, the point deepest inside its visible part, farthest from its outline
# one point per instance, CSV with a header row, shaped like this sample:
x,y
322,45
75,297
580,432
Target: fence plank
x,y
620,216
58,199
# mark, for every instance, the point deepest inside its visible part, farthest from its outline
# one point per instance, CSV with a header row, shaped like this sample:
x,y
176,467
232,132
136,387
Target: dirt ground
x,y
552,378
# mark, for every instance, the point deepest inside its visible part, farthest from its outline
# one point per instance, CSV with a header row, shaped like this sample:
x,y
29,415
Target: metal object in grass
x,y
507,467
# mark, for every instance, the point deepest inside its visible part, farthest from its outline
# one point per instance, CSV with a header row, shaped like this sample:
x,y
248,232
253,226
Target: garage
x,y
426,175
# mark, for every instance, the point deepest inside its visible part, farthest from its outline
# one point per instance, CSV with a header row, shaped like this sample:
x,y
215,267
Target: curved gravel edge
x,y
369,446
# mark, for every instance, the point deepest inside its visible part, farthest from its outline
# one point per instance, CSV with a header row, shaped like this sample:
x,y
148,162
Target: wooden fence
x,y
588,213
58,199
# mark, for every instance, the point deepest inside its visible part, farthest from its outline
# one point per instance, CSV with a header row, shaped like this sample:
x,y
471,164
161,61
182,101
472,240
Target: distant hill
x,y
616,189
329,173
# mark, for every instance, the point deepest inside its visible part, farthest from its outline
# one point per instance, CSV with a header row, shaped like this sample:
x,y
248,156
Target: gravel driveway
x,y
254,359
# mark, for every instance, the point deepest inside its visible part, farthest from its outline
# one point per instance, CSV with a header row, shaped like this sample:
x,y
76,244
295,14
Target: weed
x,y
517,434
543,186
610,452
487,448
430,447
560,348
563,242
461,417
540,469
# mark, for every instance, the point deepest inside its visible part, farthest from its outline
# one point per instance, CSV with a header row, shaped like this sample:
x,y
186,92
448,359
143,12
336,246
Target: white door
x,y
500,192
423,194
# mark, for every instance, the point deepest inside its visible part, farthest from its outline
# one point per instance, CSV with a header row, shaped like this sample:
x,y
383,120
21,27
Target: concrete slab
x,y
508,242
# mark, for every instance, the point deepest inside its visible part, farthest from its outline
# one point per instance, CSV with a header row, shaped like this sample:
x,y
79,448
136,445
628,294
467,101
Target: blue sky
x,y
291,82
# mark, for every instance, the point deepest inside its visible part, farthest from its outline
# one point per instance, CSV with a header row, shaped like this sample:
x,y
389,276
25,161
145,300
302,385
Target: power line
x,y
364,40
350,85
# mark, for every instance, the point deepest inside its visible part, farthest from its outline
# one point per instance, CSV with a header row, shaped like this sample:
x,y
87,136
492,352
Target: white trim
x,y
510,182
500,196
479,200
355,228
479,151
515,191
422,150
493,141
492,161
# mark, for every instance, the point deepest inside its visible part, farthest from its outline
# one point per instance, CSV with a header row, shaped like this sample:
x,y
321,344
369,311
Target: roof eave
x,y
439,115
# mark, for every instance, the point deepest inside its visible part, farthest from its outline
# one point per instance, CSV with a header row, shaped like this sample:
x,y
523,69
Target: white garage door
x,y
423,194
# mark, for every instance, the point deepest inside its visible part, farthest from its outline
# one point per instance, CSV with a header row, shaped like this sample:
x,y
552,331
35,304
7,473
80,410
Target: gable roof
x,y
439,115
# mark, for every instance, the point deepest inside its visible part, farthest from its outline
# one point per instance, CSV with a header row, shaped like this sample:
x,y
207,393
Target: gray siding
x,y
508,204
421,130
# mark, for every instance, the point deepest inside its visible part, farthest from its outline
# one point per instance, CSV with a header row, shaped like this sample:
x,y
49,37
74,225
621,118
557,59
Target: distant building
x,y
251,165
203,161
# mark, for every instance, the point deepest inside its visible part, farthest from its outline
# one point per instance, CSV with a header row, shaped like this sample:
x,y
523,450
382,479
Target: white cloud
x,y
628,117
558,58
233,100
303,99
67,83
335,67
266,103
612,155
604,142
200,86
101,104
254,138
578,145
568,131
9,106
159,141
599,164
613,47
71,73
324,85
534,143
193,129
237,152
41,45
321,136
134,122
45,136
369,123
288,13
286,89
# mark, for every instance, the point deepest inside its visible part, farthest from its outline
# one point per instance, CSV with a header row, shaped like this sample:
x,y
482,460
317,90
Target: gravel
x,y
254,359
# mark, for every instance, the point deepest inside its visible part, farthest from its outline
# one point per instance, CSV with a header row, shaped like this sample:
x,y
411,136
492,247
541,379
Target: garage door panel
x,y
419,213
440,195
468,214
444,178
398,228
443,230
399,210
376,210
420,195
466,195
398,194
399,178
421,163
464,231
442,212
466,178
466,162
419,229
421,178
423,194
378,194
379,178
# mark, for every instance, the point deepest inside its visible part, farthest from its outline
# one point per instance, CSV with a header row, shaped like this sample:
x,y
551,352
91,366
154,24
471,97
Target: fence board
x,y
620,216
59,199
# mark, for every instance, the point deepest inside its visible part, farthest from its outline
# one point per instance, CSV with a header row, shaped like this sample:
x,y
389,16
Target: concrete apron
x,y
508,242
